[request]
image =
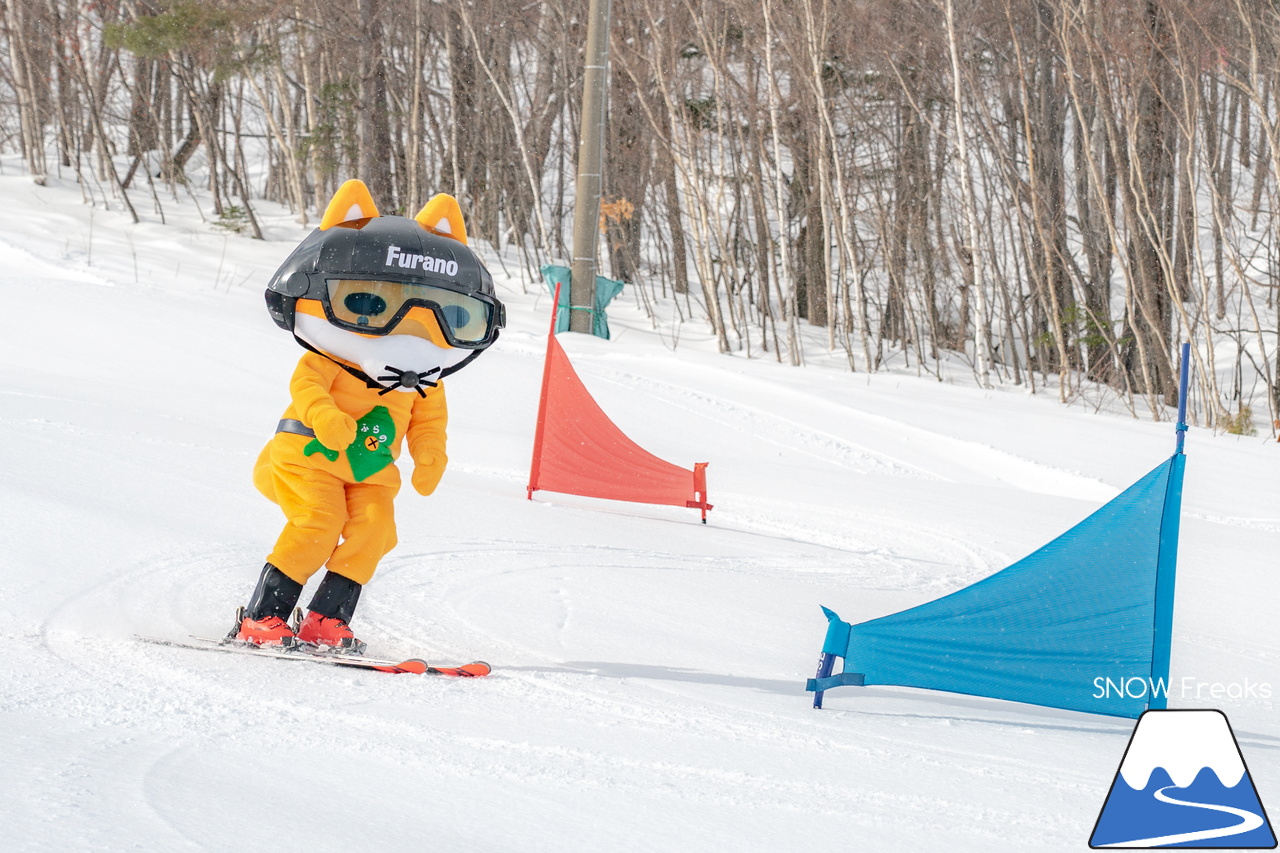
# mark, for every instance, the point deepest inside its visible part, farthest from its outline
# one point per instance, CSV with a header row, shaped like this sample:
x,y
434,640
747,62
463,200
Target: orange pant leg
x,y
369,532
315,509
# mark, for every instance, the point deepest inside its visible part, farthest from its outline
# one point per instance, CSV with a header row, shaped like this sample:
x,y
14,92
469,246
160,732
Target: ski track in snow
x,y
790,433
188,701
643,700
1267,525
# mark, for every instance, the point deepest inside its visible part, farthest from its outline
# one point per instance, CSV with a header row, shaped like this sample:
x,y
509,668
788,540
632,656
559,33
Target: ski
x,y
414,666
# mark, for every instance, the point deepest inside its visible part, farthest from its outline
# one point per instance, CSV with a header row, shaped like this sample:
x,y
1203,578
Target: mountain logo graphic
x,y
1183,783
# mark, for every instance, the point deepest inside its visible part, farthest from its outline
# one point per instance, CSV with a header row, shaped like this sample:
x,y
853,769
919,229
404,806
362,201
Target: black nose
x,y
409,379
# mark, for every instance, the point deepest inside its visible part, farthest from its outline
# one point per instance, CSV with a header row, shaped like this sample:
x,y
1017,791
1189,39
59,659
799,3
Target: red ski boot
x,y
329,635
262,622
268,631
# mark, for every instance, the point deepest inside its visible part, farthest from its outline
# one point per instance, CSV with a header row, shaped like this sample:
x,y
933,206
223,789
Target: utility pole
x,y
586,201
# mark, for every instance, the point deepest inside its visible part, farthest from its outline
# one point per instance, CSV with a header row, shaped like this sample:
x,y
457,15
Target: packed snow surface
x,y
648,691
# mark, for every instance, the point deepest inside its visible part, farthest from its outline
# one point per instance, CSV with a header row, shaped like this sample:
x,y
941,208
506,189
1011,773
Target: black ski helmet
x,y
354,242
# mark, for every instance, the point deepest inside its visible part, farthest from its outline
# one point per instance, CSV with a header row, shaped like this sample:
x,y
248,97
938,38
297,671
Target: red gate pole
x,y
536,462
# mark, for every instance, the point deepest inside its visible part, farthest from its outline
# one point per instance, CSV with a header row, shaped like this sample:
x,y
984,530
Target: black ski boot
x,y
263,622
331,609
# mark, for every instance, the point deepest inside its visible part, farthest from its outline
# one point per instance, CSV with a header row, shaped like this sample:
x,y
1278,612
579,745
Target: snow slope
x,y
648,692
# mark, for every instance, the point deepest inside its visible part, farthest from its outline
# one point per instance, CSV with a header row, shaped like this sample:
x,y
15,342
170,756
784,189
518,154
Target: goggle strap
x,y
475,353
354,371
368,381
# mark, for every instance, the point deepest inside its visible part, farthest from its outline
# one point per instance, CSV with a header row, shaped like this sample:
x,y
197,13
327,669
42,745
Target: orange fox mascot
x,y
386,307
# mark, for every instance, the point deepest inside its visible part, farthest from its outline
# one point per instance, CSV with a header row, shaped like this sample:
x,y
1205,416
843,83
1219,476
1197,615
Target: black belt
x,y
296,427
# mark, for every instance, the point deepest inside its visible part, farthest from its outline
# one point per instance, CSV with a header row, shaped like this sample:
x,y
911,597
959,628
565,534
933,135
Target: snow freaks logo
x,y
1142,687
397,257
1183,783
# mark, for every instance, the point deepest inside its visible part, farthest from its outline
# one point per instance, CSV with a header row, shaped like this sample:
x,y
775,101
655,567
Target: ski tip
x,y
476,669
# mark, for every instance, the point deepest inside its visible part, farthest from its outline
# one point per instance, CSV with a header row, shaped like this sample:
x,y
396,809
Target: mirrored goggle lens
x,y
377,304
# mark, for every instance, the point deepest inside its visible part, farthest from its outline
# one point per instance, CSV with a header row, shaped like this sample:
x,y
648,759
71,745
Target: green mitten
x,y
371,451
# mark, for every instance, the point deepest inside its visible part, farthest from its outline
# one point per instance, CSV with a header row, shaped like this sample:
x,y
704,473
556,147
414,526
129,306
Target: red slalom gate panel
x,y
577,450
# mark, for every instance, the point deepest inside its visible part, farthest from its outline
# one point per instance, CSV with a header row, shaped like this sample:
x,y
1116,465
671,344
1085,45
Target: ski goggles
x,y
468,321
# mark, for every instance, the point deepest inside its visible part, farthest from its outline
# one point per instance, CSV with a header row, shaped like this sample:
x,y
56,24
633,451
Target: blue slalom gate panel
x,y
1083,623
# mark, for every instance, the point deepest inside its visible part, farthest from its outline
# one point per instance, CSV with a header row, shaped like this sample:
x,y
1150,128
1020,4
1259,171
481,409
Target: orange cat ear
x,y
442,216
351,202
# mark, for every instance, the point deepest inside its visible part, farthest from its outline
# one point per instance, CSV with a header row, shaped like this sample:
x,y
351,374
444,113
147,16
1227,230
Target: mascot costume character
x,y
385,307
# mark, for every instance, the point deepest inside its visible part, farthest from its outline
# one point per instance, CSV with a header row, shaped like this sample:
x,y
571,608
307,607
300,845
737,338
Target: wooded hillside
x,y
1058,189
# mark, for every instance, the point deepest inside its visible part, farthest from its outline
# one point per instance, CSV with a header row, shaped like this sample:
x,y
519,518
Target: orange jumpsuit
x,y
338,505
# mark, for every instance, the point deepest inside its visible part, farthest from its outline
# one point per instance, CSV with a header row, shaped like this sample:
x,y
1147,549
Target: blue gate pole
x,y
825,664
1183,382
1167,561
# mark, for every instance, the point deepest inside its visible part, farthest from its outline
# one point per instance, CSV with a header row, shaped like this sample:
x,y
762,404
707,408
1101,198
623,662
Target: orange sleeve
x,y
311,387
426,433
